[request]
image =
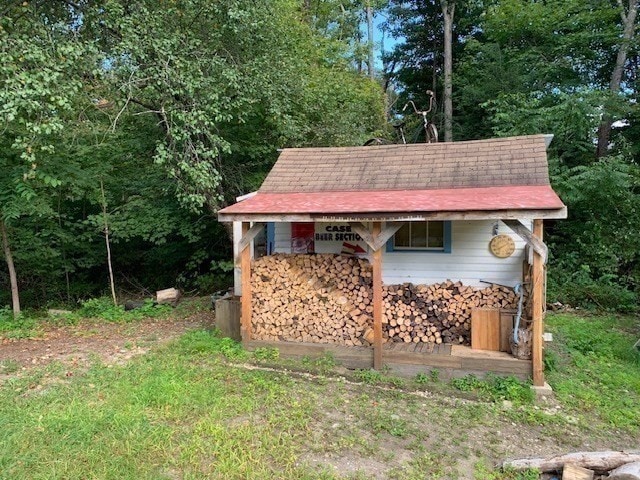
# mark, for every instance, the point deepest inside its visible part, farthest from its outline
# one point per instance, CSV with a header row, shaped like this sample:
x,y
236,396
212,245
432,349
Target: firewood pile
x,y
327,298
438,313
320,298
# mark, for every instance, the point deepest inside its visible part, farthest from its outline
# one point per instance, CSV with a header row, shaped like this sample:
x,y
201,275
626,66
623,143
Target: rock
x,y
630,471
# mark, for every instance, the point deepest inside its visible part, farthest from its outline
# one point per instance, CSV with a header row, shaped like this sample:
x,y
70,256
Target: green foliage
x,y
11,327
103,308
496,388
598,254
424,378
370,376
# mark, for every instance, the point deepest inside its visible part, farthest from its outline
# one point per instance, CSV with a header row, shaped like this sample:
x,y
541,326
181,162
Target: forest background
x,y
140,119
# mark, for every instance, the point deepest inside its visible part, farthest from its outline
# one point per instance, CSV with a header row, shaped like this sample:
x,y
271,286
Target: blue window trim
x,y
271,237
447,243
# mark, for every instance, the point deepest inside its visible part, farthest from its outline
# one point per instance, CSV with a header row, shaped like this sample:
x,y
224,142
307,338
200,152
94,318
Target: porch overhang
x,y
506,202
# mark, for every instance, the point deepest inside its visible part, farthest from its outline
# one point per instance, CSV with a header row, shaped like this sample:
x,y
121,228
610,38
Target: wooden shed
x,y
450,223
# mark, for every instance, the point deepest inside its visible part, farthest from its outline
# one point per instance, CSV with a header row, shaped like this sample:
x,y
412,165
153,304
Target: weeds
x,y
495,388
103,308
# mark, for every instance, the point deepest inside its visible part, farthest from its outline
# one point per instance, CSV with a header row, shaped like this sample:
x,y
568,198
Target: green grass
x,y
594,370
195,410
178,410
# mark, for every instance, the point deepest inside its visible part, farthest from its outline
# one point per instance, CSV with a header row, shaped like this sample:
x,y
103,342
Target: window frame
x,y
446,227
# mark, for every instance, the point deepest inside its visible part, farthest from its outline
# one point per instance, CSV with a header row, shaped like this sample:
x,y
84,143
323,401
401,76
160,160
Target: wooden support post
x,y
377,300
245,271
538,307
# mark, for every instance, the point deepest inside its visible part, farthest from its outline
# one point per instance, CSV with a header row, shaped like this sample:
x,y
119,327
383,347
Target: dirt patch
x,y
79,345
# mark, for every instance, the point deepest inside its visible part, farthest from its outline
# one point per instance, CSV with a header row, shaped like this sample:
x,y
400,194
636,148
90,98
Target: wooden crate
x,y
485,329
228,317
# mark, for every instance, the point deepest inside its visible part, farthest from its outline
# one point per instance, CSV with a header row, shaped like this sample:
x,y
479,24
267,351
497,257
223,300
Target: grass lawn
x,y
201,408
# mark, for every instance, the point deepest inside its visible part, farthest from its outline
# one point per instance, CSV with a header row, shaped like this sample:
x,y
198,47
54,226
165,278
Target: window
x,y
431,236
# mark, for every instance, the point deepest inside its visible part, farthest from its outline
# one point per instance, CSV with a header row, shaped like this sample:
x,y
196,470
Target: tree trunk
x,y
112,283
13,279
448,10
369,8
628,31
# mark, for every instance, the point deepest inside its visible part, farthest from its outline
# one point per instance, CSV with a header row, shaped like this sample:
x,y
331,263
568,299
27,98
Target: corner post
x,y
377,300
245,272
538,307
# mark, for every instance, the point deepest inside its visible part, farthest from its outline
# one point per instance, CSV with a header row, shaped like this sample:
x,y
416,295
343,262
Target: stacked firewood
x,y
326,298
438,313
319,298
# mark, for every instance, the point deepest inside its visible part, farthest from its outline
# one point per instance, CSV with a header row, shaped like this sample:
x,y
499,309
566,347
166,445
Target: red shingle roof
x,y
539,197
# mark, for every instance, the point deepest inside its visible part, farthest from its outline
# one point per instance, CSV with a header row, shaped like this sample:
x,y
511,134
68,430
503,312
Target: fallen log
x,y
599,462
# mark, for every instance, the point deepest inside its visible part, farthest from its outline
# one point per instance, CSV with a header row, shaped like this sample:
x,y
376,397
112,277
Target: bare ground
x,y
111,343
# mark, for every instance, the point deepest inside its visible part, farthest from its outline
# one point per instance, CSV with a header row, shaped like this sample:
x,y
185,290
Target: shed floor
x,y
409,359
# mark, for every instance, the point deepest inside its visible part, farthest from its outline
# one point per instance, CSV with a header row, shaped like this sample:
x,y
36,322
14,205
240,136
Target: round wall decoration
x,y
502,246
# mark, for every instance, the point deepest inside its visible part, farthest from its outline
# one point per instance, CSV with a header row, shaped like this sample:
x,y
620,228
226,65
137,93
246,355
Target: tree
x,y
628,18
448,12
37,54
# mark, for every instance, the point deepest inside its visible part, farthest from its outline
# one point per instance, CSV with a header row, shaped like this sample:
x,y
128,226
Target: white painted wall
x,y
469,261
282,238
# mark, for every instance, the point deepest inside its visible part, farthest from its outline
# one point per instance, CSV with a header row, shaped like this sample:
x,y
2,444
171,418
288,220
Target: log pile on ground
x,y
326,298
438,313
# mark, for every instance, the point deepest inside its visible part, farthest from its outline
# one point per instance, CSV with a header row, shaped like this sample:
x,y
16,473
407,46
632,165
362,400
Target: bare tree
x,y
448,11
105,219
369,10
13,278
628,31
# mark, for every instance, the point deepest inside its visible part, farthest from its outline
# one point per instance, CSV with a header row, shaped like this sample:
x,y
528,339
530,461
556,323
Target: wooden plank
x,y
410,358
538,296
558,213
250,235
497,365
506,330
524,233
576,472
485,329
245,271
377,301
350,357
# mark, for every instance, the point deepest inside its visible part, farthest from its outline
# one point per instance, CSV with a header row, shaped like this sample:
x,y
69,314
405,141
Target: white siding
x,y
282,238
469,261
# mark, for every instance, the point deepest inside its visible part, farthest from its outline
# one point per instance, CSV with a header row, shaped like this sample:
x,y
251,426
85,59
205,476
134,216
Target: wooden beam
x,y
364,232
245,266
250,234
538,296
388,232
329,217
377,301
524,233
